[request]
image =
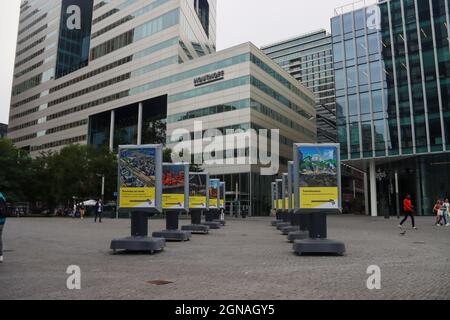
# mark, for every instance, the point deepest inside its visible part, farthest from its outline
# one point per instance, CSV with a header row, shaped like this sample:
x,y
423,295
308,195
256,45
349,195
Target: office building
x,y
309,59
392,79
135,71
3,130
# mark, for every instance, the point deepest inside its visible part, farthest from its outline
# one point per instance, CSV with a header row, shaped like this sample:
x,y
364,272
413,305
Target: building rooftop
x,y
353,6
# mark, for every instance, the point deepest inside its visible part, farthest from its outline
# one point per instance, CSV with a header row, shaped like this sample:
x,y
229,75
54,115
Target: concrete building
x,y
134,71
309,58
392,75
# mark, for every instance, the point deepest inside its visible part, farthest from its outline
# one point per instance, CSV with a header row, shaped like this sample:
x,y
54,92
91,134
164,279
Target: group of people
x,y
442,211
99,207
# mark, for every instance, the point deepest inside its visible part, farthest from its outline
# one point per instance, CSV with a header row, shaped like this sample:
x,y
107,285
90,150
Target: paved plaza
x,y
248,259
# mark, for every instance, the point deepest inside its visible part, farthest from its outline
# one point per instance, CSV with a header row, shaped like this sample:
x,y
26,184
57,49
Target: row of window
x,y
37,31
149,28
112,11
139,55
281,79
59,143
33,82
129,17
294,42
280,98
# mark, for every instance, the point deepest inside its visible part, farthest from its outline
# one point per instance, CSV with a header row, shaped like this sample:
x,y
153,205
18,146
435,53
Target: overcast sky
x,y
258,21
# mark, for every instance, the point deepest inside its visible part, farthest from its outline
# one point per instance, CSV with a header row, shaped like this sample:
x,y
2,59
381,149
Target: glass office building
x,y
392,79
309,59
151,69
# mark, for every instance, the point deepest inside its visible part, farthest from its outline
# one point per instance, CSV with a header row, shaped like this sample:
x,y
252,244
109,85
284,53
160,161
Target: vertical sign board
x,y
198,191
273,186
139,178
291,185
222,195
285,191
214,193
317,181
175,182
279,183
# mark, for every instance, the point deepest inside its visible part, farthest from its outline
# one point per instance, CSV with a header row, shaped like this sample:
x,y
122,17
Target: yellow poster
x,y
213,203
197,202
319,198
280,204
173,201
286,203
222,203
137,197
293,201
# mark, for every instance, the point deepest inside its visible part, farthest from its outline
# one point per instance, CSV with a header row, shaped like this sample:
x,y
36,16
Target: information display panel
x,y
198,190
175,185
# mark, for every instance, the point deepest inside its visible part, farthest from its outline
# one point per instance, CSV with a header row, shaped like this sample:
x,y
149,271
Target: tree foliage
x,y
54,178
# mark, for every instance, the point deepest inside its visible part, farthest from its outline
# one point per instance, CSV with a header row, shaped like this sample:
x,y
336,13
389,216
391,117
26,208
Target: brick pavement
x,y
247,259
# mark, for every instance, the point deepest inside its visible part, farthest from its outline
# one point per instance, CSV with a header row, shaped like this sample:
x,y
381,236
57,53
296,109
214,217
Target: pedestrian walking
x,y
408,211
82,211
3,208
437,212
445,210
98,210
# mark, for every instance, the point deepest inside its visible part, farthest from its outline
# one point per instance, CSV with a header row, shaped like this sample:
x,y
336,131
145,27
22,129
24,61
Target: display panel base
x,y
221,222
275,222
138,244
282,225
318,246
286,230
298,235
212,225
173,235
196,228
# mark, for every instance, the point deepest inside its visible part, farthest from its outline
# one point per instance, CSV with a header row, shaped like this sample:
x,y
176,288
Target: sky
x,y
259,21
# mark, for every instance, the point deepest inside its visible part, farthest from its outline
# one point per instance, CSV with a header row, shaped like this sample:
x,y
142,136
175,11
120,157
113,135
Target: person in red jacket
x,y
408,210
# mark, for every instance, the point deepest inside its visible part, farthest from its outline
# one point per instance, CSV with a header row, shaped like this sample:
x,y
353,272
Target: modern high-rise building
x,y
3,130
392,75
116,72
309,58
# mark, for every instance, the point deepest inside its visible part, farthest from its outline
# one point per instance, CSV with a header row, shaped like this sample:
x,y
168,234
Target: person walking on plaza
x,y
82,211
98,210
443,215
408,210
437,212
3,209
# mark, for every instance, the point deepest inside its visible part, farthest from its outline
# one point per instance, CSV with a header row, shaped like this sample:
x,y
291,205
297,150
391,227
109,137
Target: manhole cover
x,y
419,242
159,282
8,250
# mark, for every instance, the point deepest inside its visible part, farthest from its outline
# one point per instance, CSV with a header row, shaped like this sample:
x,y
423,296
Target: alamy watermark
x,y
234,147
73,282
374,280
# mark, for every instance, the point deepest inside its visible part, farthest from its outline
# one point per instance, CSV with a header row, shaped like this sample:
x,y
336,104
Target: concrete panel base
x,y
275,222
221,222
138,244
298,235
212,225
173,235
196,229
318,246
282,225
286,230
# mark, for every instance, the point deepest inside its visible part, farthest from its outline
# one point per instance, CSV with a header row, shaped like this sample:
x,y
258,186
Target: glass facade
x,y
392,63
392,79
309,59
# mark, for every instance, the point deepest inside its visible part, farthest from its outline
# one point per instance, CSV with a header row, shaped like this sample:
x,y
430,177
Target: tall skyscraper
x,y
392,74
309,58
115,72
